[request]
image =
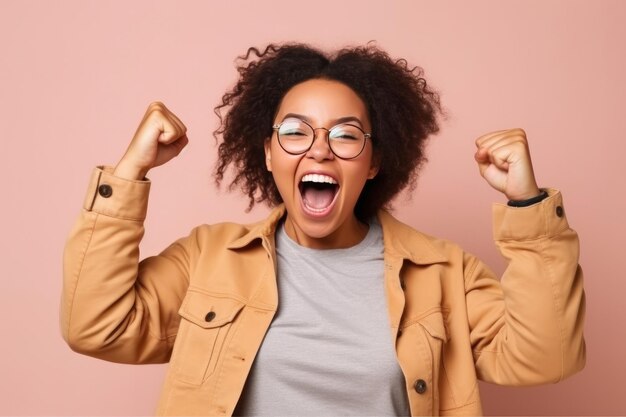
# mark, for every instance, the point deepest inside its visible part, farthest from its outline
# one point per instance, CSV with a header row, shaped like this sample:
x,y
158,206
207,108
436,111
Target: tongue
x,y
318,198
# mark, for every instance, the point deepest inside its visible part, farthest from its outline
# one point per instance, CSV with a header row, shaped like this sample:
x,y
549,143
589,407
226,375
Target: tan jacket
x,y
205,302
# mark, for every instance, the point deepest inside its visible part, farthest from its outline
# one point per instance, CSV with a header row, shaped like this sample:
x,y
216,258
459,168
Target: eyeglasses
x,y
345,140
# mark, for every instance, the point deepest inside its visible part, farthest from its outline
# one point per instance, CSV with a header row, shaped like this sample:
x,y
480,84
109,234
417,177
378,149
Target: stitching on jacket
x,y
543,236
78,272
471,271
562,227
108,213
557,306
158,337
167,337
444,372
459,407
225,349
425,350
414,320
254,298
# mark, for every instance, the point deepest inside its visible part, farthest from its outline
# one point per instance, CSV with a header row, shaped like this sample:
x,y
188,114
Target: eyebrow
x,y
334,122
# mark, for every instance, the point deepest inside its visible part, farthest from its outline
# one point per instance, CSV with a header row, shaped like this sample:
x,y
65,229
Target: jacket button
x,y
210,316
559,211
420,386
105,190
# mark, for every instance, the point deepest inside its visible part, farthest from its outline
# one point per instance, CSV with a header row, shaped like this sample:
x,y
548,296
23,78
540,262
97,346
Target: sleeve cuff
x,y
117,197
544,219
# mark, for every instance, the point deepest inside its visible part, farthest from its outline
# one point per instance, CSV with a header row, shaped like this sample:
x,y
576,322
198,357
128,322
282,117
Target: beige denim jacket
x,y
205,303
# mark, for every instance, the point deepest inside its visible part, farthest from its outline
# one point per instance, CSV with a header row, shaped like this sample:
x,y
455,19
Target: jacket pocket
x,y
206,321
433,323
433,340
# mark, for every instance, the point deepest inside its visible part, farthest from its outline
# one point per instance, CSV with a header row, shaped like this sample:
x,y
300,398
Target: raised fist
x,y
504,161
160,137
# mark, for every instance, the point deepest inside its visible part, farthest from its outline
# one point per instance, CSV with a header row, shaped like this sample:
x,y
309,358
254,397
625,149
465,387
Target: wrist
x,y
129,171
540,196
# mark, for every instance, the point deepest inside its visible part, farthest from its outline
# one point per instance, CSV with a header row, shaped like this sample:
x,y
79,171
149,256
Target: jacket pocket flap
x,y
209,311
433,324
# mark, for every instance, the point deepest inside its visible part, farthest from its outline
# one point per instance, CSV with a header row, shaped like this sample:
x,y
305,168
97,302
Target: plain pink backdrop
x,y
76,77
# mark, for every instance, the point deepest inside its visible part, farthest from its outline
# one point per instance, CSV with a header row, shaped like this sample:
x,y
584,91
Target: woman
x,y
330,305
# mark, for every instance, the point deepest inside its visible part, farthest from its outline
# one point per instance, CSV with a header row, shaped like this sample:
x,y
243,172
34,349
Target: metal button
x,y
105,190
420,386
559,211
210,316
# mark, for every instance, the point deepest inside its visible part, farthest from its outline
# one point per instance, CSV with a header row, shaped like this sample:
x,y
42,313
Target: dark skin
x,y
503,159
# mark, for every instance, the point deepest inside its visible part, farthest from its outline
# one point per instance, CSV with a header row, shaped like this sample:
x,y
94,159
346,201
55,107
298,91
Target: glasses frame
x,y
367,136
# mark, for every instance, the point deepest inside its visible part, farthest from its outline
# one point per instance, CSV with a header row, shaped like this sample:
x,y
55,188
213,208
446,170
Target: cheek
x,y
283,172
357,179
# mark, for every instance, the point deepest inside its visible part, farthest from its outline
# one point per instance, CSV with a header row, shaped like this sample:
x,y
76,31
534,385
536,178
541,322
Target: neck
x,y
349,234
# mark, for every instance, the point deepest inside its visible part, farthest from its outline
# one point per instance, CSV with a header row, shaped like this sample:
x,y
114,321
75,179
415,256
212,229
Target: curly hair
x,y
403,112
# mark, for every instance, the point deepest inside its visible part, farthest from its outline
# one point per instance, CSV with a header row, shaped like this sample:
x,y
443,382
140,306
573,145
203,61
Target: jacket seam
x,y
471,270
557,307
77,275
166,337
221,370
119,217
536,238
459,407
421,316
151,333
444,375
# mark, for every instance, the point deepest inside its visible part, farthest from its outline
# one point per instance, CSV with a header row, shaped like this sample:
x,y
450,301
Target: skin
x,y
160,137
504,162
322,102
503,159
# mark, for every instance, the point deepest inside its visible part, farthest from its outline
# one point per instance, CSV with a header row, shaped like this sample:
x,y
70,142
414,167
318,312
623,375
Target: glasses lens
x,y
295,136
346,141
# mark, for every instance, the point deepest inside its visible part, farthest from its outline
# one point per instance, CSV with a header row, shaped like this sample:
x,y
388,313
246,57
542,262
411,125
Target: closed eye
x,y
345,132
293,133
344,136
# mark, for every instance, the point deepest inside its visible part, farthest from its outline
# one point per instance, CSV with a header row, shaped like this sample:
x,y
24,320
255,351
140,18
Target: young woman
x,y
330,306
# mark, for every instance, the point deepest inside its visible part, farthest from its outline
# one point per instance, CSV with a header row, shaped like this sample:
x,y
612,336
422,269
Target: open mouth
x,y
318,192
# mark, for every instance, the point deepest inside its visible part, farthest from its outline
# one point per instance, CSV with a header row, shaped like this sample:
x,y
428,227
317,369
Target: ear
x,y
268,154
374,168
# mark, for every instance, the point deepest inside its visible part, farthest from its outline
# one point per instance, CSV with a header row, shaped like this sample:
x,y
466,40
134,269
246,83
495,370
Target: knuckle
x,y
155,119
518,131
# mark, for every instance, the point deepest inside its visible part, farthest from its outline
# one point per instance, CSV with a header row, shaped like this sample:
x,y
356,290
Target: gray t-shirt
x,y
328,350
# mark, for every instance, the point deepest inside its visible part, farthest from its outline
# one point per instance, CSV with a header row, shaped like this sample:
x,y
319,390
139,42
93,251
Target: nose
x,y
320,149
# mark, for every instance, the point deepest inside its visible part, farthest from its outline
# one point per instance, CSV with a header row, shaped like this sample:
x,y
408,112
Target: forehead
x,y
323,101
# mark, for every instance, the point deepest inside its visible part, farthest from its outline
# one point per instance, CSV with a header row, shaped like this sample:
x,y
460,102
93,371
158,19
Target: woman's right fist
x,y
160,137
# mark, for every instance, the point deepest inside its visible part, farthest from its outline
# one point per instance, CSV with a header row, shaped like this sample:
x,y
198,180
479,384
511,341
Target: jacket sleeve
x,y
114,307
527,328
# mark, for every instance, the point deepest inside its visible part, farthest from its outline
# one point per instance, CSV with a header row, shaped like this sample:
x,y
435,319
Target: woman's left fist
x,y
504,162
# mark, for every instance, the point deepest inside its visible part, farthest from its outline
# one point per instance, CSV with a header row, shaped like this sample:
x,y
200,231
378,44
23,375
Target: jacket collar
x,y
401,241
264,229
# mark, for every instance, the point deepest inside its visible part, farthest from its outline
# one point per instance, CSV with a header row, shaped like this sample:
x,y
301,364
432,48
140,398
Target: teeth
x,y
318,178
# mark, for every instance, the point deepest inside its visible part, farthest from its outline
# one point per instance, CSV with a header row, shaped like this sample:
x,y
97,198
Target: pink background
x,y
76,77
